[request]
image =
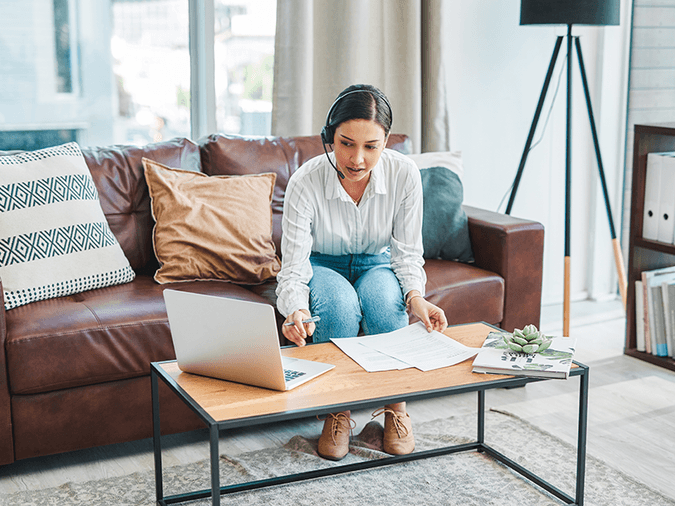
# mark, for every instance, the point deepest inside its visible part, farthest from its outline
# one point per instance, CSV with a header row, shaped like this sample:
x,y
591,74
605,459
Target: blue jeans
x,y
350,292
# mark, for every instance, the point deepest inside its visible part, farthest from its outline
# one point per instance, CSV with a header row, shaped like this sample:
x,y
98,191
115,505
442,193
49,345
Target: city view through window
x,y
151,64
118,71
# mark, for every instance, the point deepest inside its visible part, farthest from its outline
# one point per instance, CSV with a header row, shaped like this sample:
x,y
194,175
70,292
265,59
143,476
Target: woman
x,y
352,248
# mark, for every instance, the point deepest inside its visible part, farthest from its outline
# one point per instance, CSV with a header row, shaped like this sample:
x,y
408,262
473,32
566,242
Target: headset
x,y
328,131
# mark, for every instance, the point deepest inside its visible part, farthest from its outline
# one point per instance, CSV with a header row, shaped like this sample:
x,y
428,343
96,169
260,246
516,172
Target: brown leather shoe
x,y
398,435
334,440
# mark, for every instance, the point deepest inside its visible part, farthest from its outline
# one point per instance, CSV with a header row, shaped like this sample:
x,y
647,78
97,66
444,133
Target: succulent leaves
x,y
527,340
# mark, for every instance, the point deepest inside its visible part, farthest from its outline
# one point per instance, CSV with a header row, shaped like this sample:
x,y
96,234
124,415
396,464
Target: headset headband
x,y
337,100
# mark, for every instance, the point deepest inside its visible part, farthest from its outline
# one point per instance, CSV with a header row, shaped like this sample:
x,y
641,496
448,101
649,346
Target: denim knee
x,y
334,299
382,303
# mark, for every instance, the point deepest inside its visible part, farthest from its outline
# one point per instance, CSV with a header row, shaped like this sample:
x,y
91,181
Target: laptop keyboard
x,y
291,375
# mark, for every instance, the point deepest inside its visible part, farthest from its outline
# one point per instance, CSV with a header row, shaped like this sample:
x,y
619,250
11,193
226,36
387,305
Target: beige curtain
x,y
323,46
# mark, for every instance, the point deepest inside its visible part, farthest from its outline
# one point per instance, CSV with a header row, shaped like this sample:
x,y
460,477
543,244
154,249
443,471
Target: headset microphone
x,y
323,141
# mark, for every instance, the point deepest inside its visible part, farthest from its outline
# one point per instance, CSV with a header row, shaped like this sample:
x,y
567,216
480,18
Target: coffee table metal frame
x,y
479,445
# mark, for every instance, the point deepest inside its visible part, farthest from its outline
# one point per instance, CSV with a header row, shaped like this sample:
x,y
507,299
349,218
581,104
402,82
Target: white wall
x,y
497,71
652,78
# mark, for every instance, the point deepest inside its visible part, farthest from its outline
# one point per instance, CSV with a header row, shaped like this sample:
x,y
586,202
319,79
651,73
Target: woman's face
x,y
358,144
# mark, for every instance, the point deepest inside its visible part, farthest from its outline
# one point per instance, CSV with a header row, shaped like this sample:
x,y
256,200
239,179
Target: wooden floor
x,y
631,416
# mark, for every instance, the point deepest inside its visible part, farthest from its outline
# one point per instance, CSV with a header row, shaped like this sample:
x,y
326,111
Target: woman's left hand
x,y
432,316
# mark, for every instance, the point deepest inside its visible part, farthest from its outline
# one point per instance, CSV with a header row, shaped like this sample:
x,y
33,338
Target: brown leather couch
x,y
75,371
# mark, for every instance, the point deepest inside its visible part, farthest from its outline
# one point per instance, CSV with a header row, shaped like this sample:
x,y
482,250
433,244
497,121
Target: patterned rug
x,y
465,479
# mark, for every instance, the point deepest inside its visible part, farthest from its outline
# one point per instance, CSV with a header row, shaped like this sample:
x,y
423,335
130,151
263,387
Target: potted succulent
x,y
527,340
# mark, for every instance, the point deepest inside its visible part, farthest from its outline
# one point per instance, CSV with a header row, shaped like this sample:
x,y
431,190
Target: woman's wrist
x,y
412,294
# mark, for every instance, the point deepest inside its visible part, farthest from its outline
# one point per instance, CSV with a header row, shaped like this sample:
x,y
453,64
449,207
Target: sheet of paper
x,y
368,358
421,349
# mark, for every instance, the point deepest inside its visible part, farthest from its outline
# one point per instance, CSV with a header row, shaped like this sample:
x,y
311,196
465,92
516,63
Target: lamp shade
x,y
569,12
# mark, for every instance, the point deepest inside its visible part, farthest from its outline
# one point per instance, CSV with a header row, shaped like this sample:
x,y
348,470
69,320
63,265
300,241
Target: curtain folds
x,y
323,46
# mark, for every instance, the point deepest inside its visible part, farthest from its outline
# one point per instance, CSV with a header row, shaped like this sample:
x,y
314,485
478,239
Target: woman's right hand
x,y
298,332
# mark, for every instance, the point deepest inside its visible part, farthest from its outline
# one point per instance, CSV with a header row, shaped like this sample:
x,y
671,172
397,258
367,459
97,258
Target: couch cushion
x,y
103,414
212,227
233,155
54,238
97,336
466,293
118,176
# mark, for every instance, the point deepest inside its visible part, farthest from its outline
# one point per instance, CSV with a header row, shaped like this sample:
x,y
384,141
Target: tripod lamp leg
x,y
566,301
618,257
533,128
568,188
620,269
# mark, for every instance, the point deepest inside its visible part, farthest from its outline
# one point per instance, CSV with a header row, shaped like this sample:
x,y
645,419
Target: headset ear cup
x,y
327,135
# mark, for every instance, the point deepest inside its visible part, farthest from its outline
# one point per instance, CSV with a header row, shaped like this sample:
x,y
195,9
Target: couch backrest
x,y
118,175
233,155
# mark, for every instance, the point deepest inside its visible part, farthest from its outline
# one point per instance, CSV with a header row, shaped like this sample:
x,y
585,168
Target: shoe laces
x,y
397,419
339,422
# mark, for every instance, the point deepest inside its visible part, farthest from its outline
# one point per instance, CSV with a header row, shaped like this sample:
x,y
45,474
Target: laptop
x,y
233,340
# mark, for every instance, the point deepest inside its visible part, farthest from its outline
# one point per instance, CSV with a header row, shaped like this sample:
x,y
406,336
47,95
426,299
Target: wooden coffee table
x,y
225,405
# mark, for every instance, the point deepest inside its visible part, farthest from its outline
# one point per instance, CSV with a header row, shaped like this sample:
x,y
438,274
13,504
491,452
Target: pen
x,y
313,319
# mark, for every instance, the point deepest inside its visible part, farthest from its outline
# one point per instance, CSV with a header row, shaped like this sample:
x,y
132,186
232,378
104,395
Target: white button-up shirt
x,y
320,216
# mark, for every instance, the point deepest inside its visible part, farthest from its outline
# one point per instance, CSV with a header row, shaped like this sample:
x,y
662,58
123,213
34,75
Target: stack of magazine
x,y
495,357
655,312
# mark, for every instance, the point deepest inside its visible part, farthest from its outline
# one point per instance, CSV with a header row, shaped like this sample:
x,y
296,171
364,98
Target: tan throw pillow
x,y
211,227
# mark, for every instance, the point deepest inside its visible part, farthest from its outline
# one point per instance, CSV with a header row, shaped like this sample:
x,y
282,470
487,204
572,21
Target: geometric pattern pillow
x,y
54,238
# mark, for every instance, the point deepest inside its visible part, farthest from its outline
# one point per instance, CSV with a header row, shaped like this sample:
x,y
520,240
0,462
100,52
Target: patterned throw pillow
x,y
54,238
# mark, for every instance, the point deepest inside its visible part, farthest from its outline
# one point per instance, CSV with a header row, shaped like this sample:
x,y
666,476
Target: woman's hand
x,y
432,316
298,332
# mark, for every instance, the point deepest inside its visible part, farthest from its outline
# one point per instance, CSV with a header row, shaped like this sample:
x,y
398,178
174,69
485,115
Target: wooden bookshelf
x,y
644,254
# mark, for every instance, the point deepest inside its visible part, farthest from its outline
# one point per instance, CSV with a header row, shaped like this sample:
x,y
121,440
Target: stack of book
x,y
655,312
495,357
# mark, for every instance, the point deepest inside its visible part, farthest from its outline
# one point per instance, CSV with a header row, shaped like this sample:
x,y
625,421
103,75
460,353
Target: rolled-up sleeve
x,y
407,248
296,245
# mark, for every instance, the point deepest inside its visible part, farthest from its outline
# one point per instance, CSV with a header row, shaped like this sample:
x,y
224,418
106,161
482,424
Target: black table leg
x,y
156,437
581,443
215,465
480,436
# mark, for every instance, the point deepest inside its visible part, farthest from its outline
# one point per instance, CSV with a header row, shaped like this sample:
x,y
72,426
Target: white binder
x,y
666,198
650,222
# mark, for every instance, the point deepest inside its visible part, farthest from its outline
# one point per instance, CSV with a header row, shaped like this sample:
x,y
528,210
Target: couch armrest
x,y
514,249
6,433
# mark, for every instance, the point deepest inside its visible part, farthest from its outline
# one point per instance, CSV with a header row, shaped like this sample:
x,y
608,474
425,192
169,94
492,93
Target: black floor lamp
x,y
571,12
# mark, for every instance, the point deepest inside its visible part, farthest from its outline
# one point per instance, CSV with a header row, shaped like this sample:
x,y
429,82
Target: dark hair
x,y
358,101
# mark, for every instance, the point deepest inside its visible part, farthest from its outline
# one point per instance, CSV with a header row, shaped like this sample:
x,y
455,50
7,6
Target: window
x,y
151,69
66,63
244,65
119,71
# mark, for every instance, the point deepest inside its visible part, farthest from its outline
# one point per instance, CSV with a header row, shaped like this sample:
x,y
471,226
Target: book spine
x,y
645,313
639,317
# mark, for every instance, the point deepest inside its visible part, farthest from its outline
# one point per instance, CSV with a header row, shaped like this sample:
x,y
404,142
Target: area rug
x,y
465,479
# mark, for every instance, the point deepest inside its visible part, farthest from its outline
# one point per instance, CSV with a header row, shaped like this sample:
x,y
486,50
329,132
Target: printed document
x,y
368,358
411,346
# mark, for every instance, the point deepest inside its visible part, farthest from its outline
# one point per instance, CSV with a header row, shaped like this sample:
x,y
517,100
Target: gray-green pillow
x,y
445,227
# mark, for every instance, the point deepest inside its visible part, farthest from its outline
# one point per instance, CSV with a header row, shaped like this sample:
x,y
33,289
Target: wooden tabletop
x,y
346,384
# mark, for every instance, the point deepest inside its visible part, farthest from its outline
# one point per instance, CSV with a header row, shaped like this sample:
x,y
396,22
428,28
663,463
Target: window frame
x,y
202,68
